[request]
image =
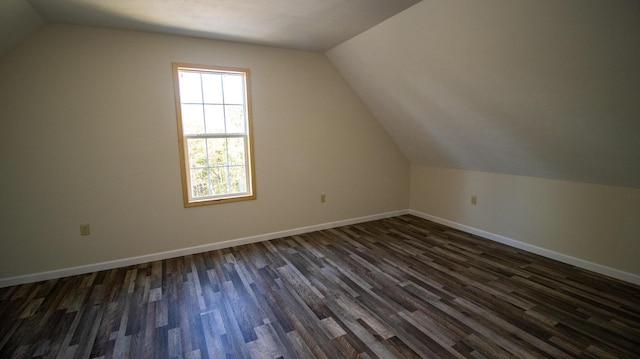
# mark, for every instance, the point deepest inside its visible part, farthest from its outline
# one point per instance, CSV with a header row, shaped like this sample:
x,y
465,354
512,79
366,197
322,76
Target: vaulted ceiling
x,y
537,88
540,88
17,21
302,24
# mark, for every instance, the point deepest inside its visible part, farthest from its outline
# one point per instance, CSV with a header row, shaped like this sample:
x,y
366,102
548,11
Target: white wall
x,y
88,135
594,223
539,88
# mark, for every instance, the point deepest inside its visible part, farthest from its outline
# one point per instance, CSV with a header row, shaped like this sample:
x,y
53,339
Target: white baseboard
x,y
594,267
59,273
89,268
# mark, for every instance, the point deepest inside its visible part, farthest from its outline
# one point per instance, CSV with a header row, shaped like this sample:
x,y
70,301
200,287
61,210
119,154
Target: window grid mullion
x,y
224,103
226,142
214,135
206,142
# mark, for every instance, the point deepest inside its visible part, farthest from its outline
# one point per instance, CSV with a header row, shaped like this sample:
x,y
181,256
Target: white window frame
x,y
189,199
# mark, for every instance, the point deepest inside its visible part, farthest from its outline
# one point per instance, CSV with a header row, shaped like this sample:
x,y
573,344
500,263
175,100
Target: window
x,y
214,133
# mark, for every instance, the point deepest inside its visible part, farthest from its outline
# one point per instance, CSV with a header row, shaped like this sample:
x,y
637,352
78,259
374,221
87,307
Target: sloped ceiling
x,y
302,24
17,21
539,88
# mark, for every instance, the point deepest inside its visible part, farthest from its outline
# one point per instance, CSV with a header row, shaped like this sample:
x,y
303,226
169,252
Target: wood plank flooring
x,y
400,287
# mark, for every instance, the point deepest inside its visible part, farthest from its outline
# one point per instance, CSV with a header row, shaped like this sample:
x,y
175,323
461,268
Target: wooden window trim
x,y
184,167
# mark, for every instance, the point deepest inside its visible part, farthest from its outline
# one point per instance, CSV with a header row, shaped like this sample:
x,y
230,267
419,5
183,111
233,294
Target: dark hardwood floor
x,y
400,287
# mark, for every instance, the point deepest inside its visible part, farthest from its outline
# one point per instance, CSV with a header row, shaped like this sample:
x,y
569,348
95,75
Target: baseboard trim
x,y
584,264
65,272
89,268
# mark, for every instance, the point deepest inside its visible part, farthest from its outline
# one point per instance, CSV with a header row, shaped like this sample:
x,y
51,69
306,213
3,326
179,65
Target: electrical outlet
x,y
323,198
474,200
85,230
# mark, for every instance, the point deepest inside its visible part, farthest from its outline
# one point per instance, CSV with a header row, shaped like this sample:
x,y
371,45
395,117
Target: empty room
x,y
320,179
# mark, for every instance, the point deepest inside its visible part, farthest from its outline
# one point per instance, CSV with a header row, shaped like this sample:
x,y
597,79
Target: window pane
x,y
235,118
192,119
200,182
233,89
236,151
212,88
215,123
217,148
190,87
197,153
214,118
238,179
219,180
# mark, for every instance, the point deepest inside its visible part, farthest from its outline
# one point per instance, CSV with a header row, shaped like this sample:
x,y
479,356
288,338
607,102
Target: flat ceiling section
x,y
301,24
